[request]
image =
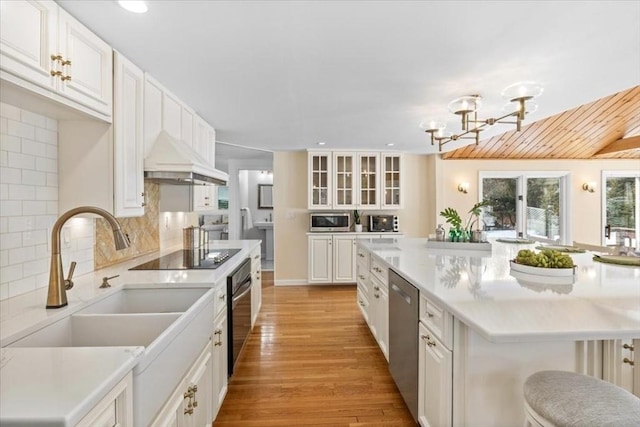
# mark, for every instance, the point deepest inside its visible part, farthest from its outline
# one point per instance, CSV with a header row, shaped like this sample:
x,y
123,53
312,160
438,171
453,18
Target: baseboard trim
x,y
303,282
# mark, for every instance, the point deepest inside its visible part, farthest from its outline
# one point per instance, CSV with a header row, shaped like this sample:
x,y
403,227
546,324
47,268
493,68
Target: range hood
x,y
171,161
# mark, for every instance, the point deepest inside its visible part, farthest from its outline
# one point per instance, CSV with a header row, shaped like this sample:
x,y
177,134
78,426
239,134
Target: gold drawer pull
x,y
630,362
56,57
63,78
55,73
628,347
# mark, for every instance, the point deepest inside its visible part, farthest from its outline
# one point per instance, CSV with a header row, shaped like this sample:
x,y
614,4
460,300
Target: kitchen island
x,y
496,330
75,379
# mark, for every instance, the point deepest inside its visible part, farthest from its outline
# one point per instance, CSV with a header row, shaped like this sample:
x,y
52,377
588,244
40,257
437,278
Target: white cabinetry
x,y
101,164
354,180
47,51
128,144
115,409
220,347
191,402
435,380
379,308
256,287
332,258
620,366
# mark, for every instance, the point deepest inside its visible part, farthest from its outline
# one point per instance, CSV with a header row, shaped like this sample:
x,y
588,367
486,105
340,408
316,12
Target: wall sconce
x,y
589,186
463,187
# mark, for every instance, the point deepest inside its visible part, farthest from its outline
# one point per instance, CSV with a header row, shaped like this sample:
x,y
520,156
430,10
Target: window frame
x,y
603,200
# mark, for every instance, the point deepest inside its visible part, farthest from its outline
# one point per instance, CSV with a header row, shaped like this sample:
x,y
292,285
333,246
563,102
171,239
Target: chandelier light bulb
x,y
522,90
465,104
431,125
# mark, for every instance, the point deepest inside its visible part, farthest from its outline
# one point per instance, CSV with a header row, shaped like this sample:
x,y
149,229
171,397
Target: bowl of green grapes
x,y
547,262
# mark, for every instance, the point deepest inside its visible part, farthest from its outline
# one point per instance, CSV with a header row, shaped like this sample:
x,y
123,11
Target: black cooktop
x,y
187,259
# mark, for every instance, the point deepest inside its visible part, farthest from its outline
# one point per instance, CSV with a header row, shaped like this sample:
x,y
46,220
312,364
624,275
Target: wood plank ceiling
x,y
610,125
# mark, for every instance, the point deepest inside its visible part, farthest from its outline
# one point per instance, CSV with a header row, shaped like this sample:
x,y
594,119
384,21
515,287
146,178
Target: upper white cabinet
x,y
354,180
46,50
171,114
128,142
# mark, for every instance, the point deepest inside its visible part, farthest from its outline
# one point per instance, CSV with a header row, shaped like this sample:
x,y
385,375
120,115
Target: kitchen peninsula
x,y
489,331
73,381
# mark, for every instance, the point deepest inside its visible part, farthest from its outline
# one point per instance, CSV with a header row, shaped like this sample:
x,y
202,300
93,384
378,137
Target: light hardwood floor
x,y
311,361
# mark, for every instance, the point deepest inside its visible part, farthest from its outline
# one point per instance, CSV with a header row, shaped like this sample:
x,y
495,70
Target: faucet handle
x,y
68,283
105,281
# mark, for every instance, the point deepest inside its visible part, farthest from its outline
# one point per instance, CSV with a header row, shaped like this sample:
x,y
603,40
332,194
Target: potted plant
x,y
452,217
476,211
356,220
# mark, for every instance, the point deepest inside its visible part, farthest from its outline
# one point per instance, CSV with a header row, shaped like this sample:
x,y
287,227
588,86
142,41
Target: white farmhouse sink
x,y
173,324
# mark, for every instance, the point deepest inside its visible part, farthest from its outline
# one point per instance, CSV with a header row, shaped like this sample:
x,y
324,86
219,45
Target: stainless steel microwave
x,y
383,223
331,221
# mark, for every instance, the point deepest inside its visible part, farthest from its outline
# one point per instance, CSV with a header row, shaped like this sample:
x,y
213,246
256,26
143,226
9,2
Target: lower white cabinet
x,y
191,403
332,258
256,287
620,364
220,367
115,409
435,380
379,313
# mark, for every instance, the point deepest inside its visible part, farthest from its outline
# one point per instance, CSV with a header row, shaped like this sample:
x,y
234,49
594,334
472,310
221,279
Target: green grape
x,y
546,258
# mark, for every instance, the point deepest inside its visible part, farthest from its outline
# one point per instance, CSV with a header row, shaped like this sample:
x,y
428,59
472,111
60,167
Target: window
x,y
531,205
621,205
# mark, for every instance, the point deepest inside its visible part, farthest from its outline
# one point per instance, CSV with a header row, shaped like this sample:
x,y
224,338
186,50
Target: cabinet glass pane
x,y
323,163
323,179
316,163
316,197
340,164
323,197
340,182
388,162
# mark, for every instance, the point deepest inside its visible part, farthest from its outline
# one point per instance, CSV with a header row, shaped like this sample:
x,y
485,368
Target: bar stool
x,y
568,399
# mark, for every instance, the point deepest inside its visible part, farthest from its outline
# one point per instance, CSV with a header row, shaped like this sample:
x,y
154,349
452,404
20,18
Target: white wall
x,y
29,204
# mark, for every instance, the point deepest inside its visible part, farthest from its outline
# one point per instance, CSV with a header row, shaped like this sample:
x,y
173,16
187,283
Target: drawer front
x,y
362,274
362,258
255,259
363,304
439,321
221,299
379,270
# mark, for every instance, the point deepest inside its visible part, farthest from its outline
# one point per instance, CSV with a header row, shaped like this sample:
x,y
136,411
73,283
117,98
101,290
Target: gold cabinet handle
x,y
630,362
376,295
628,347
218,343
429,315
222,297
361,255
65,61
56,57
55,73
427,338
64,78
361,303
377,288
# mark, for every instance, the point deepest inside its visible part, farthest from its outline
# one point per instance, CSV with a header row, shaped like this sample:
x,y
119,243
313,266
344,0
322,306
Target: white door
x,y
368,181
28,40
187,125
320,259
128,142
87,72
152,112
220,367
200,385
320,180
344,257
391,183
435,379
344,180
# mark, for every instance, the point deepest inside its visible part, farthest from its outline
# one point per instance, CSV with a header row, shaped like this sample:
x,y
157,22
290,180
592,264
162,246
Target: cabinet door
x,y
344,259
368,180
212,146
391,184
435,378
220,367
256,290
320,182
203,197
28,39
199,407
128,141
383,322
152,111
201,139
344,181
171,115
87,71
320,259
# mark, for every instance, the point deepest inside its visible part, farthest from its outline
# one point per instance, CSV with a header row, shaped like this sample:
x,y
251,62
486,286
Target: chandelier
x,y
520,96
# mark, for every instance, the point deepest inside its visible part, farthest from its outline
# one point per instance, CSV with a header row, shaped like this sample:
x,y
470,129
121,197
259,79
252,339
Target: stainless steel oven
x,y
238,310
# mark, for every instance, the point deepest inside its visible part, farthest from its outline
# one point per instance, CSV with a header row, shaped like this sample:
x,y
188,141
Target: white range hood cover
x,y
175,162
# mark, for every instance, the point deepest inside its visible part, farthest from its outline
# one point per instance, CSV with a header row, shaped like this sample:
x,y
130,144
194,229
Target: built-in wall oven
x,y
238,310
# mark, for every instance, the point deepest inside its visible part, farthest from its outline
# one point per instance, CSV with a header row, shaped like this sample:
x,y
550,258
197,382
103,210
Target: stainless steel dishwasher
x,y
404,301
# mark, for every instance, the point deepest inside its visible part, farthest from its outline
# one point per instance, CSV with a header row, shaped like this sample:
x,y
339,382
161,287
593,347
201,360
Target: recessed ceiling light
x,y
135,6
321,143
391,144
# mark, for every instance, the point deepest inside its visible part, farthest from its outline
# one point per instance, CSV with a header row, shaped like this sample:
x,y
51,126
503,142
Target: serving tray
x,y
542,271
463,246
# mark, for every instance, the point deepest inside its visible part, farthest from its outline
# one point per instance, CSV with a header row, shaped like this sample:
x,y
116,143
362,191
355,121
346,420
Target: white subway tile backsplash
x,y
9,111
11,176
23,130
10,143
29,193
11,273
34,237
45,135
31,207
46,165
11,241
11,208
33,119
22,161
30,177
22,286
47,193
34,148
22,192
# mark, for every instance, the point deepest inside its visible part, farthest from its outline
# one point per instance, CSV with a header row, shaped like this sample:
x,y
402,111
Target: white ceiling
x,y
283,75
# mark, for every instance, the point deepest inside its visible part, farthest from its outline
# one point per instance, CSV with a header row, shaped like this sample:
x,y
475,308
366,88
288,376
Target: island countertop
x,y
478,289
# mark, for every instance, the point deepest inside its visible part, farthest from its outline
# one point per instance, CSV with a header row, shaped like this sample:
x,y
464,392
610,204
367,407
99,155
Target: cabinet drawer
x,y
221,299
379,270
362,274
363,303
438,320
255,259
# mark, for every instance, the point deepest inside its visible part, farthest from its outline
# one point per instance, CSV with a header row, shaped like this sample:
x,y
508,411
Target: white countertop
x,y
36,382
58,386
476,287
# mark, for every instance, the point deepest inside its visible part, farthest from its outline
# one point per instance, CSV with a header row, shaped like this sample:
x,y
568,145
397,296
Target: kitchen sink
x,y
173,324
169,300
